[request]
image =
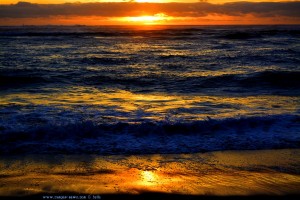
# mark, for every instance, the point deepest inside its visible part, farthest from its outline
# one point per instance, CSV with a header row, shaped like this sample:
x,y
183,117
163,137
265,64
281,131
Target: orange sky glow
x,y
148,12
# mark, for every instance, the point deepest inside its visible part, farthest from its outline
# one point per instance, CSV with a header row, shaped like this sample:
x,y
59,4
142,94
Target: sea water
x,y
152,89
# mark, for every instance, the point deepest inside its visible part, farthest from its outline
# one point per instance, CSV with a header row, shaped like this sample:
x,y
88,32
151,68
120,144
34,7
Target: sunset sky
x,y
148,12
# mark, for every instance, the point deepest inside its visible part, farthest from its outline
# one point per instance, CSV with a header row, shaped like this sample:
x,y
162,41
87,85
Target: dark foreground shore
x,y
270,174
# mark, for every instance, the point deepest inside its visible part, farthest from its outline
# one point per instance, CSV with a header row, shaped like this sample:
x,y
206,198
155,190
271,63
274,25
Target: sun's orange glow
x,y
158,18
162,1
143,1
145,12
139,1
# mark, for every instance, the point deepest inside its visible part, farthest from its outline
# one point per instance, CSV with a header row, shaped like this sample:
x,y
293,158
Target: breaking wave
x,y
265,132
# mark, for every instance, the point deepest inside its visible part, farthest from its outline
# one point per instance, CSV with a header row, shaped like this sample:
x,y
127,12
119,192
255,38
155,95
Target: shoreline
x,y
249,173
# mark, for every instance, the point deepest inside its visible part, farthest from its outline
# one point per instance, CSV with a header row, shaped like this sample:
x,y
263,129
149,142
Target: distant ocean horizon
x,y
110,90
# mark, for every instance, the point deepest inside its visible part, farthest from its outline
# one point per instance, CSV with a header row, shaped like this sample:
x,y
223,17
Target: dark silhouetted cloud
x,y
121,9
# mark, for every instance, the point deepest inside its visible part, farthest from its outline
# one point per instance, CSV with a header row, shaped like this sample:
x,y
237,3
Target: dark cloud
x,y
261,9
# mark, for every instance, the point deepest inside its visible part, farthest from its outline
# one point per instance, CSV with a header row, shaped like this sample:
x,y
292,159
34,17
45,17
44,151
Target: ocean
x,y
128,90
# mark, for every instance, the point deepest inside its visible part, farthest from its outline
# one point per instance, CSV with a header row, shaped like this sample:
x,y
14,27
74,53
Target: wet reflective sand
x,y
267,172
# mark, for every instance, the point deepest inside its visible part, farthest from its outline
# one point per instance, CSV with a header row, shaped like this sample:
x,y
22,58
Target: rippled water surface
x,y
174,89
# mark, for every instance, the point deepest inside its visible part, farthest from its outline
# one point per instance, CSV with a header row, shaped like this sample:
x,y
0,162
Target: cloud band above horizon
x,y
123,9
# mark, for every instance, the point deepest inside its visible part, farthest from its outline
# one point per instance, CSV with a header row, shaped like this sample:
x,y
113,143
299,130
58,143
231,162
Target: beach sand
x,y
273,173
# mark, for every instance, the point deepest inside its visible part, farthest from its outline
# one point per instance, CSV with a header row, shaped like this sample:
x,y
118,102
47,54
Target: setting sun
x,y
150,1
148,20
143,1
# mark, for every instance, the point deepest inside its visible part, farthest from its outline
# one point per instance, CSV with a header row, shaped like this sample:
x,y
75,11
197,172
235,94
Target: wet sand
x,y
275,173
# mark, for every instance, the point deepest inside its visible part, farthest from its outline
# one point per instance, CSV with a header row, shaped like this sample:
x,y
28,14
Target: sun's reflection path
x,y
149,178
215,173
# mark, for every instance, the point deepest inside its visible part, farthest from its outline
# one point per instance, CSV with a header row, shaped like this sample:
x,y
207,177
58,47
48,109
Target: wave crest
x,y
279,131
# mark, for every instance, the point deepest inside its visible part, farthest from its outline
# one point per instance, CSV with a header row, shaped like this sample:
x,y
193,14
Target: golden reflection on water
x,y
159,104
148,177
